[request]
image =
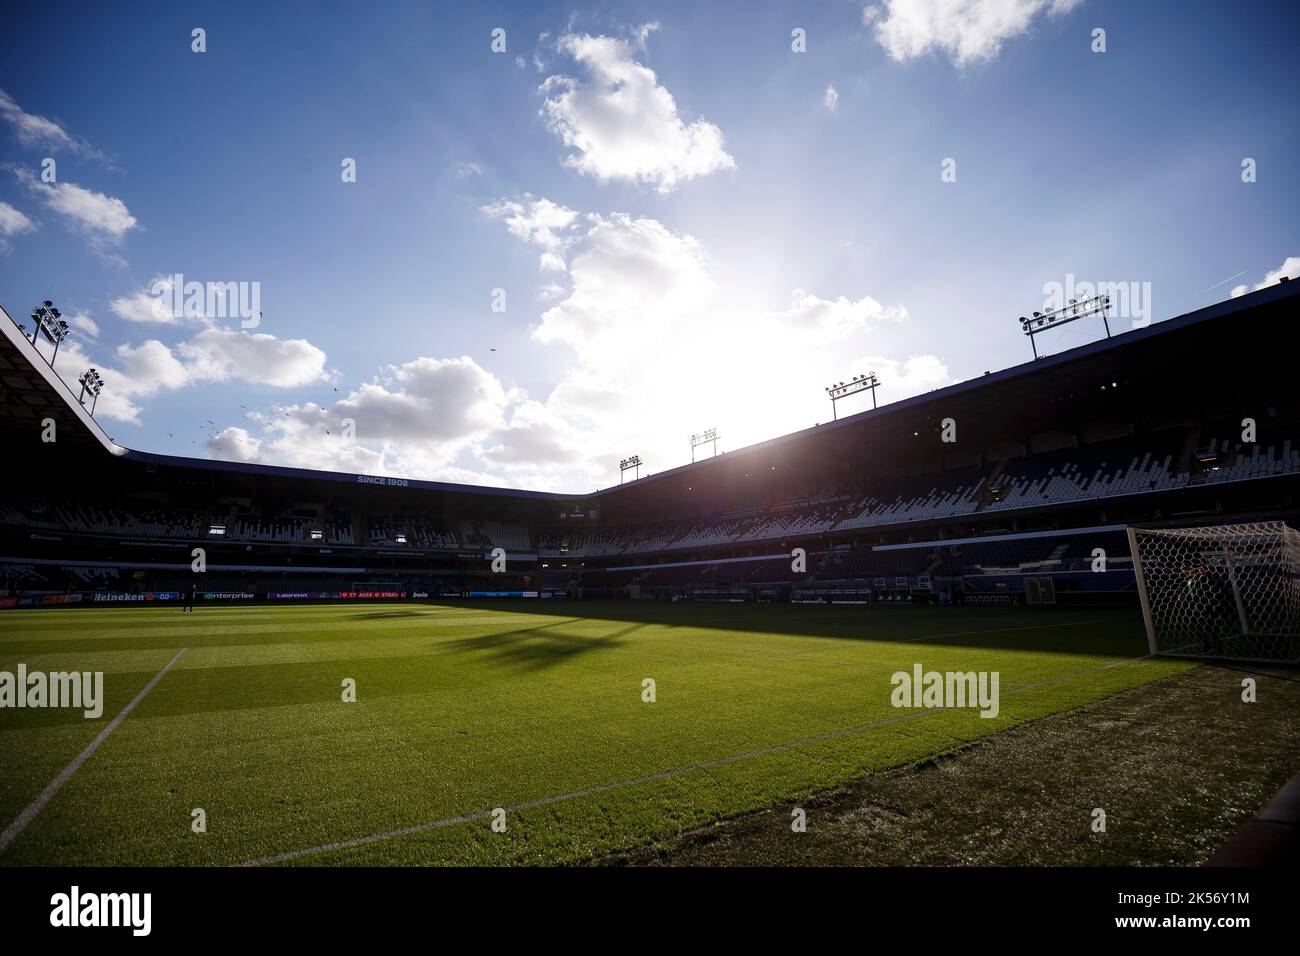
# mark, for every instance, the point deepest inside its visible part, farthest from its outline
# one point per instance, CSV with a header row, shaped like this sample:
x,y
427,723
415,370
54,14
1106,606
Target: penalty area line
x,y
11,832
991,630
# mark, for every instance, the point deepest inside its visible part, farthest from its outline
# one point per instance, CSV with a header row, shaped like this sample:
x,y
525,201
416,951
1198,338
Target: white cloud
x,y
1289,268
136,372
550,292
223,354
539,222
158,303
141,306
468,169
634,283
37,132
296,445
966,30
653,350
642,33
103,218
84,324
12,223
144,369
414,420
912,376
433,402
113,403
234,444
623,123
535,437
90,211
827,320
831,98
659,352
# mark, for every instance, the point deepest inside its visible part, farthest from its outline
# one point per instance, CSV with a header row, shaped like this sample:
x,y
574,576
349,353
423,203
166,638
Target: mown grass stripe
x,y
29,813
637,781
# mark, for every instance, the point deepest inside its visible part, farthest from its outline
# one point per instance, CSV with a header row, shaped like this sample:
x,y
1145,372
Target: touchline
x,y
37,689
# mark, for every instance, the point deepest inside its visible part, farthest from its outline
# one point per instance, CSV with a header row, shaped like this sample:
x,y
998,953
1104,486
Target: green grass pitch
x,y
535,707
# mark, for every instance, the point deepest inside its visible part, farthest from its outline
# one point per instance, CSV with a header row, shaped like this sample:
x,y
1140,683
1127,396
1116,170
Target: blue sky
x,y
690,229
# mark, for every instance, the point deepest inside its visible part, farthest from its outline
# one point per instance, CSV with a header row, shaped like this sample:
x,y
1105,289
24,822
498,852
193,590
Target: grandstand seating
x,y
384,531
1236,462
917,499
290,530
1117,468
1088,473
691,551
511,537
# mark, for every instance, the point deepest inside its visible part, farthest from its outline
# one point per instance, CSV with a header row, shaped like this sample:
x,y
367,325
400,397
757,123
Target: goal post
x,y
1223,591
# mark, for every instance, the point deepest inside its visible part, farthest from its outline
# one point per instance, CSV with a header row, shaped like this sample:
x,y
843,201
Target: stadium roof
x,y
31,391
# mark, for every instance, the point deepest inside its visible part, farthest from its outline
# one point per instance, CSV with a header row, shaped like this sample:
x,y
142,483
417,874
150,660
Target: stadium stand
x,y
1057,456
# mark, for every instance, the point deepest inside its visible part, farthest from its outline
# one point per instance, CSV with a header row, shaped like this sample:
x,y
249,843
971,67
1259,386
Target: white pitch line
x,y
1091,670
990,630
35,807
621,784
804,659
577,794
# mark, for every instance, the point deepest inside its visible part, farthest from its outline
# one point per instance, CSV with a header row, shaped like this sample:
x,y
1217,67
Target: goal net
x,y
1227,591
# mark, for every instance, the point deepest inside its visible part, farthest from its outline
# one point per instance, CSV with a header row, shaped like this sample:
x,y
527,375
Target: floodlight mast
x,y
1075,309
48,321
704,438
90,382
628,464
844,389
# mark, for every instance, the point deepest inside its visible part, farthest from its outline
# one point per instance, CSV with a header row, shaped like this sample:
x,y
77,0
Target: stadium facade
x,y
1015,486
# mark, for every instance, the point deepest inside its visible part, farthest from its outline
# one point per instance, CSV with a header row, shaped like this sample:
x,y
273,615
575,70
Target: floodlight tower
x,y
844,389
90,382
48,321
1075,309
705,438
626,465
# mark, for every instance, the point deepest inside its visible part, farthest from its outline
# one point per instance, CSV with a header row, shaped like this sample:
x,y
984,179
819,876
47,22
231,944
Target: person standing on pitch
x,y
189,598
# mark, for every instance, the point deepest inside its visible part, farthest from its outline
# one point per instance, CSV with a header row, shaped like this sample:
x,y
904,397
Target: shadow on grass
x,y
1103,632
385,615
534,648
1093,631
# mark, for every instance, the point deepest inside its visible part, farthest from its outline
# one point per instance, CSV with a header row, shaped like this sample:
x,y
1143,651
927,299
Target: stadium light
x,y
90,382
1075,309
48,321
627,464
843,389
704,438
